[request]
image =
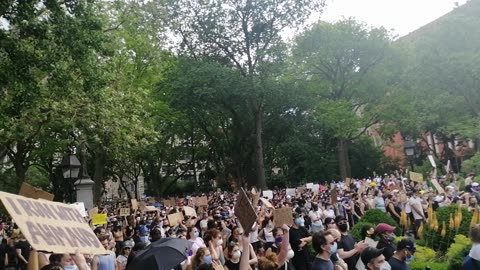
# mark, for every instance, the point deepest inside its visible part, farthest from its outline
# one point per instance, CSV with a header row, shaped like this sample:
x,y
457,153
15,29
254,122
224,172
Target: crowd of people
x,y
316,238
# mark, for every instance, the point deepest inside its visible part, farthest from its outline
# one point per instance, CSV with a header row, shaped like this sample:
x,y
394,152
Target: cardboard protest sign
x,y
142,206
300,190
92,212
437,186
283,216
202,201
51,226
81,208
174,218
30,191
124,212
266,203
333,195
417,177
291,192
134,204
99,219
348,182
189,211
316,188
268,194
432,161
169,202
244,211
150,208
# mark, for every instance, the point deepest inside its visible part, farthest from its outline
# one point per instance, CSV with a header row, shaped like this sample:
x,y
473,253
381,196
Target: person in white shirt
x,y
417,211
316,216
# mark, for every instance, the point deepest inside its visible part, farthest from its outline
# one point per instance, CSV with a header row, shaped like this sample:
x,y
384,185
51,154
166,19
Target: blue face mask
x,y
207,259
333,249
300,221
195,234
409,259
70,267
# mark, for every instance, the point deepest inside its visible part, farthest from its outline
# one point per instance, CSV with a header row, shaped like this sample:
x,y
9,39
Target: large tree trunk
x,y
343,158
98,174
259,162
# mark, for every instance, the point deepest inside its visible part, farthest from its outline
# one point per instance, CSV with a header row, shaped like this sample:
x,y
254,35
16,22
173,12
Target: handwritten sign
x,y
99,219
283,216
417,177
202,201
124,212
30,191
437,186
268,194
309,185
51,226
174,218
301,190
169,202
290,192
189,211
244,211
266,203
150,208
134,204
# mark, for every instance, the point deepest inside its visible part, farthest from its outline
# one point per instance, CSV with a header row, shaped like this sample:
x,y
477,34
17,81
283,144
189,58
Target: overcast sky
x,y
404,16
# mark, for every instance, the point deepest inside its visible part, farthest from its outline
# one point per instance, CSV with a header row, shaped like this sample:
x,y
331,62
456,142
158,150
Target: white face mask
x,y
70,267
236,254
220,242
290,254
385,266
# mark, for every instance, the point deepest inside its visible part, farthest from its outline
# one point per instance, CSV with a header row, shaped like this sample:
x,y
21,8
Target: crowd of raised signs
x,y
304,228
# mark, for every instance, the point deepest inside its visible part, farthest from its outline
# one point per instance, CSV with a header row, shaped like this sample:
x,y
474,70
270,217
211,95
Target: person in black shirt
x,y
299,238
373,259
347,249
324,244
385,232
405,251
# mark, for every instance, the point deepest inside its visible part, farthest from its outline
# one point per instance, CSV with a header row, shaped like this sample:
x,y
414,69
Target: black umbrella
x,y
163,254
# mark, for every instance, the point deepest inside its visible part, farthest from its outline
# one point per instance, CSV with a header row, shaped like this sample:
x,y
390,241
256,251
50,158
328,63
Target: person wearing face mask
x,y
299,238
335,257
385,232
348,250
193,235
316,216
404,255
373,259
324,245
234,254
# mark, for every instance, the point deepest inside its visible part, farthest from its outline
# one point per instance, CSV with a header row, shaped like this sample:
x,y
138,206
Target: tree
x,y
344,64
244,35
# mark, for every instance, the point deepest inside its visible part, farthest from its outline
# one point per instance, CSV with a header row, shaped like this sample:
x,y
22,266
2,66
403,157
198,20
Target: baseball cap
x,y
384,227
406,244
339,218
128,244
369,254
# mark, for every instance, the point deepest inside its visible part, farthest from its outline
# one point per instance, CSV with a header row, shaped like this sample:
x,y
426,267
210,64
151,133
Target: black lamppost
x,y
70,168
409,148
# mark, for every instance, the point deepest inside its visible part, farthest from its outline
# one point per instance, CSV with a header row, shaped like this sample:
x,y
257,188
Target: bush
x,y
357,229
425,254
419,265
434,240
458,251
376,216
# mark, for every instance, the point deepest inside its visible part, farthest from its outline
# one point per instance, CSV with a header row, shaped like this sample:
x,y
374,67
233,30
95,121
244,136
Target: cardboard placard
x,y
81,208
189,211
51,226
99,219
300,190
150,208
169,202
266,203
333,195
174,218
92,212
142,206
283,216
291,192
417,177
124,212
268,194
30,191
202,201
348,182
437,186
244,211
134,204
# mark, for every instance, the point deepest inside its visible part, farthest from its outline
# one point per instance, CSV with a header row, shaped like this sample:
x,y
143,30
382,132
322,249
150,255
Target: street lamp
x,y
70,169
409,148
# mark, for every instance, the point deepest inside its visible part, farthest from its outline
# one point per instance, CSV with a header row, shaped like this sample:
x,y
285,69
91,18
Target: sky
x,y
403,16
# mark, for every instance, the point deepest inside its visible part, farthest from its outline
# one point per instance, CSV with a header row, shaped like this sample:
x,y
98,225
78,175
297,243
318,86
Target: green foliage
x,y
420,265
457,251
376,216
472,165
433,238
355,231
425,254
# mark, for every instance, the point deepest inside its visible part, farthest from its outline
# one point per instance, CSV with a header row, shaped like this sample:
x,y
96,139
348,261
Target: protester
x,y
373,259
472,261
324,245
299,238
404,255
348,250
386,236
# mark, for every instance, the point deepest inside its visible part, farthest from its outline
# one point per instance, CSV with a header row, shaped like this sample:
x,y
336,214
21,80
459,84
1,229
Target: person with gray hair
x,y
472,261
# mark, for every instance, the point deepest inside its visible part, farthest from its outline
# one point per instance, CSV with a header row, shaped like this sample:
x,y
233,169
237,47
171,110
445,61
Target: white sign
x,y
309,185
81,208
291,191
268,194
432,161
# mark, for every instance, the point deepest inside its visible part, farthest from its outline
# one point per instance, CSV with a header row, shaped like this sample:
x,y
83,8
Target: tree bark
x,y
343,158
259,162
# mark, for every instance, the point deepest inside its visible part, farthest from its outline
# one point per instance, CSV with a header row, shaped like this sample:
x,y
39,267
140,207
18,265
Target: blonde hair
x,y
335,233
269,262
